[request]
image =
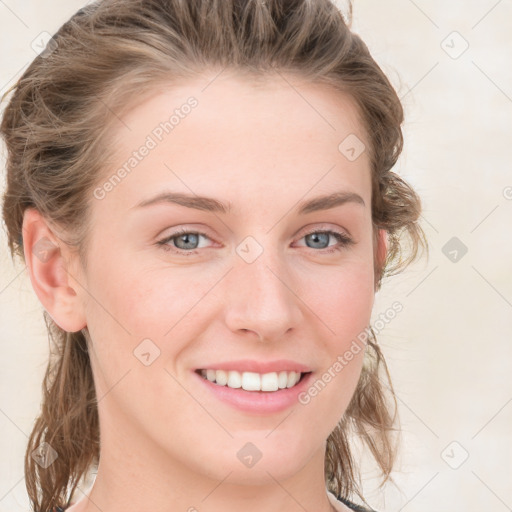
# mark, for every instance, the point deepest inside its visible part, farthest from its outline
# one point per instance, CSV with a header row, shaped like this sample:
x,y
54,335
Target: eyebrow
x,y
210,204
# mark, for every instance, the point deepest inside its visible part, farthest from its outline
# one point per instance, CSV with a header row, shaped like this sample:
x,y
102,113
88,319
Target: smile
x,y
251,381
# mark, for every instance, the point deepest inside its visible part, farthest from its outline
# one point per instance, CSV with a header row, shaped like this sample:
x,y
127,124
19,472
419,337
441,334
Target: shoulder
x,y
336,500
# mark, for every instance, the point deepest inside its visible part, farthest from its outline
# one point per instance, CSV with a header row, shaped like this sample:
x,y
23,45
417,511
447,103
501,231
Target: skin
x,y
164,439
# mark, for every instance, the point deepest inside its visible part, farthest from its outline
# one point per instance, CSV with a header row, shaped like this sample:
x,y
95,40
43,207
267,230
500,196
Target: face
x,y
260,277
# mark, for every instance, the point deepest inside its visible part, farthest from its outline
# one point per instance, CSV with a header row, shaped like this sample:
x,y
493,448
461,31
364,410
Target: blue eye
x,y
184,237
186,242
323,236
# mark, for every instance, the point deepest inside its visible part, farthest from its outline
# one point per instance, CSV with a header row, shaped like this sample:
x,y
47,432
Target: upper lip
x,y
246,365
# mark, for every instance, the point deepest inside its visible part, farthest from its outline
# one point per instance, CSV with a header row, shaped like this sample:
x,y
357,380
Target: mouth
x,y
252,381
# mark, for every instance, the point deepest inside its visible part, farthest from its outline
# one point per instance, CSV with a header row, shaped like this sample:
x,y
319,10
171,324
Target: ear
x,y
380,253
48,262
382,247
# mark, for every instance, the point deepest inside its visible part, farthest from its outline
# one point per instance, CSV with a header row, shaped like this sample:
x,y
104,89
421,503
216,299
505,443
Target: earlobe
x,y
45,257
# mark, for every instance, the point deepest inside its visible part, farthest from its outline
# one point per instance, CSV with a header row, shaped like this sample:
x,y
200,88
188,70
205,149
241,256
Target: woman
x,y
203,196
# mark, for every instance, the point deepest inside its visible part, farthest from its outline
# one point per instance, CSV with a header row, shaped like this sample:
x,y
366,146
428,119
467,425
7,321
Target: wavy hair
x,y
56,126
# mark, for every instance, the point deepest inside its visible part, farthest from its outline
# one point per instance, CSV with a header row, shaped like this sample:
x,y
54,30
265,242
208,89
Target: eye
x,y
321,237
184,242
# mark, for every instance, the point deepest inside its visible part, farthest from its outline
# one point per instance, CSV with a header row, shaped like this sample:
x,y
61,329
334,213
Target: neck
x,y
136,476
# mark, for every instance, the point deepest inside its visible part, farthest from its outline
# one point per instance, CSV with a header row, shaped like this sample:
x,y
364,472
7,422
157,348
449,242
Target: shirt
x,y
352,506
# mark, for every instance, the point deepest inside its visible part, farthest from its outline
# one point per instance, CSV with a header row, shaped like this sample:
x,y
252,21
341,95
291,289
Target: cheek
x,y
123,309
342,296
343,301
140,301
133,312
347,312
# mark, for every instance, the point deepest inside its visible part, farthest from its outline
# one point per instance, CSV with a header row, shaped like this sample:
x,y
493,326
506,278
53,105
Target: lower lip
x,y
259,402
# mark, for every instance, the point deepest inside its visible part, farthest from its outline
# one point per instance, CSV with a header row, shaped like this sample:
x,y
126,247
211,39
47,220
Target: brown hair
x,y
56,128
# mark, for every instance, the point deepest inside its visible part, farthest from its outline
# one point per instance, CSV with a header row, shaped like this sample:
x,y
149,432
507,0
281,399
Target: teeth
x,y
234,380
282,380
250,381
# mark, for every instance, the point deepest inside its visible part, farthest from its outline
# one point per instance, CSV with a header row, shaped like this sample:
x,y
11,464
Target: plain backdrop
x,y
450,348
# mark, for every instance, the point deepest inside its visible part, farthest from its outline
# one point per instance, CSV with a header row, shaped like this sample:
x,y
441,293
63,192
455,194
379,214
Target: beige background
x,y
450,349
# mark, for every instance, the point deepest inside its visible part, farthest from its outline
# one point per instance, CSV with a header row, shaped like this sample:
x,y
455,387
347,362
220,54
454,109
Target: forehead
x,y
230,136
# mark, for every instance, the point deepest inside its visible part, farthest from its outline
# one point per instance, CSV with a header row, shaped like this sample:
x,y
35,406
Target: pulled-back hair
x,y
56,128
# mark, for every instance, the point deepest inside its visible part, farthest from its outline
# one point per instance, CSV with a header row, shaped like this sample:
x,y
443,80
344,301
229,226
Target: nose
x,y
261,299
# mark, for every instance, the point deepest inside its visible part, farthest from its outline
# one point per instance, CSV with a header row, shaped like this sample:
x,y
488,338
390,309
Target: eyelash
x,y
344,241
